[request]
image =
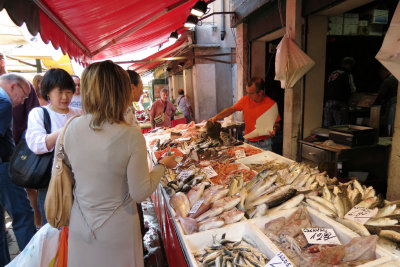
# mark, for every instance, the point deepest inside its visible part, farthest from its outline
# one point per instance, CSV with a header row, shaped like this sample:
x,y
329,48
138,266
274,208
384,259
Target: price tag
x,y
209,172
183,175
184,139
279,260
196,206
321,236
240,154
360,214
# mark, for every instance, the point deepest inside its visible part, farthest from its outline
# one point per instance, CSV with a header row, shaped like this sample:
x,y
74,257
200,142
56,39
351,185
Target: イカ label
x,y
324,236
360,214
279,260
196,206
209,172
240,154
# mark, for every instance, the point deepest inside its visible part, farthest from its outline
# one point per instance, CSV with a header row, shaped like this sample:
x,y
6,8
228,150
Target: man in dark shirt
x,y
14,90
339,87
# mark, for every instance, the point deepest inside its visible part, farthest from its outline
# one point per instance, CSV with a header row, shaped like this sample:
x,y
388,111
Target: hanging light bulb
x,y
199,9
191,21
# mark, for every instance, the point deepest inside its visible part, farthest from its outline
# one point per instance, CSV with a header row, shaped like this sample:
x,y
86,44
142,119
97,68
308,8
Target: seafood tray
x,y
264,157
343,233
234,232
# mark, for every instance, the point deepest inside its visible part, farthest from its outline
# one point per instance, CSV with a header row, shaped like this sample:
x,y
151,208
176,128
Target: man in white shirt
x,y
76,101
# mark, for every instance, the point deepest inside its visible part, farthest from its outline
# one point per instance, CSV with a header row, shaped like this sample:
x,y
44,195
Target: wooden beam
x,y
293,96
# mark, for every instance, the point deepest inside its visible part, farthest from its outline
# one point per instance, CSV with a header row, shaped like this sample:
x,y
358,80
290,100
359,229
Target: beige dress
x,y
111,173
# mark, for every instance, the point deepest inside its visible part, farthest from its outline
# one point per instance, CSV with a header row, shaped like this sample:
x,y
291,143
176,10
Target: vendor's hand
x,y
168,161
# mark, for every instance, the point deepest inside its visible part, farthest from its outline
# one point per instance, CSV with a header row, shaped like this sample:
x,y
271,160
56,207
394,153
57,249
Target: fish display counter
x,y
222,184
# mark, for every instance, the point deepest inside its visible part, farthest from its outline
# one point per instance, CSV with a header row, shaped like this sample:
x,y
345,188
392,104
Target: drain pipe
x,y
223,33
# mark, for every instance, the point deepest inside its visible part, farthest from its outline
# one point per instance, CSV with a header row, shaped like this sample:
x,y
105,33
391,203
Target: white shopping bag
x,y
291,63
389,54
41,250
265,123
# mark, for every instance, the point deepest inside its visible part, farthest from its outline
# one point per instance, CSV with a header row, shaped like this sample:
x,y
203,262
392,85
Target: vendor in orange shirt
x,y
254,104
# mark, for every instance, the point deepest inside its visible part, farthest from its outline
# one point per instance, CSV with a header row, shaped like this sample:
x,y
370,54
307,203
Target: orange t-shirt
x,y
252,111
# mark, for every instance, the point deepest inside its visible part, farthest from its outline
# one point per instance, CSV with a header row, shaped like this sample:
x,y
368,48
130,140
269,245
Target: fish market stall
x,y
230,190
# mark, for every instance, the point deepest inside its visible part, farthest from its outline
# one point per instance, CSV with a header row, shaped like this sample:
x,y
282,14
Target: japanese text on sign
x,y
320,236
360,214
279,260
240,154
209,172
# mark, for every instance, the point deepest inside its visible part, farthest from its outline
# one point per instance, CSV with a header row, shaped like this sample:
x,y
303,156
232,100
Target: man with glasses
x,y
14,89
253,105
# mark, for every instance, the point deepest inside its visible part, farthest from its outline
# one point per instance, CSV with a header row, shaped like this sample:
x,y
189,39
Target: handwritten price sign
x,y
185,174
209,172
196,206
240,154
320,236
279,260
360,214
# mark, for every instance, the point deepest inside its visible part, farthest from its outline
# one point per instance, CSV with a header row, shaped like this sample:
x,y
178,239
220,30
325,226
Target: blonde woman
x,y
108,158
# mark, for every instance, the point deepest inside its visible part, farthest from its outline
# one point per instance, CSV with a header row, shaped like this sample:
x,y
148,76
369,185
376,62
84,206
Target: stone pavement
x,y
12,242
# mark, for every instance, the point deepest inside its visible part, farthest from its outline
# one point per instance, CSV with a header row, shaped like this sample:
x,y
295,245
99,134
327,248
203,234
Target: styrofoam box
x,y
343,233
234,232
263,157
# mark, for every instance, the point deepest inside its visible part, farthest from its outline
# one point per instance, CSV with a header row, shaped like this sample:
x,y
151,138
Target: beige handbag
x,y
59,195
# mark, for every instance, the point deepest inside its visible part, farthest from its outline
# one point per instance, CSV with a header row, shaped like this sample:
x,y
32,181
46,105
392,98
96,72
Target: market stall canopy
x,y
159,58
95,30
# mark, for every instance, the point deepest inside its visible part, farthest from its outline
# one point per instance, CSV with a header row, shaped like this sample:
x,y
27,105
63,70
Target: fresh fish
x,y
310,180
355,197
336,190
258,211
210,213
367,203
324,202
232,216
346,203
203,208
268,197
357,185
260,176
227,202
282,198
369,192
376,229
291,203
255,192
338,204
233,187
243,196
219,194
189,225
210,223
321,179
316,205
355,226
195,193
180,203
293,175
381,222
293,166
385,211
299,182
326,194
274,226
314,185
391,235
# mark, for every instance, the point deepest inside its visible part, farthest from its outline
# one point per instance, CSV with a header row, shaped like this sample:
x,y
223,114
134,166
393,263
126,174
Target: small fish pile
x,y
287,234
206,208
176,182
230,253
271,165
340,199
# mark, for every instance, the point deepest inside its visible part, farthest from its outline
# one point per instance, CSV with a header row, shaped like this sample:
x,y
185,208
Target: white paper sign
x,y
240,154
321,236
183,139
184,174
360,214
209,172
279,260
196,206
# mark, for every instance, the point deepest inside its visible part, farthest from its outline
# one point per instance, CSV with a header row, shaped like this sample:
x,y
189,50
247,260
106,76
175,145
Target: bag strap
x,y
46,120
65,128
180,99
165,108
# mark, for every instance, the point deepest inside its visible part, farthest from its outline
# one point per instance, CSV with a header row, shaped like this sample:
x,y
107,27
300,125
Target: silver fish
x,y
265,198
210,213
210,223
